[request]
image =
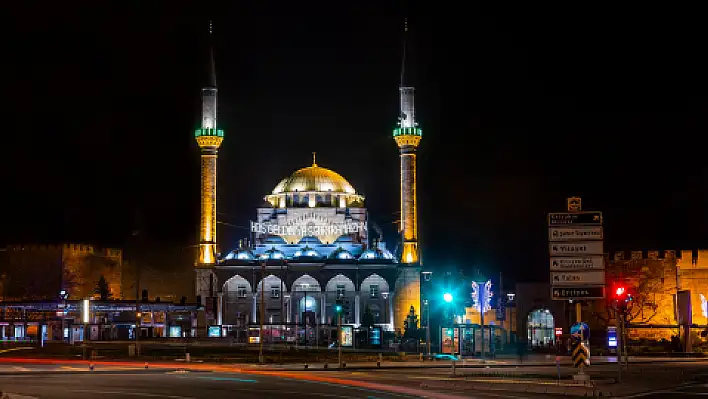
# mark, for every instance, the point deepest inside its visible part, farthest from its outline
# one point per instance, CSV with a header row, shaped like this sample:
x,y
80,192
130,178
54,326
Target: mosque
x,y
310,248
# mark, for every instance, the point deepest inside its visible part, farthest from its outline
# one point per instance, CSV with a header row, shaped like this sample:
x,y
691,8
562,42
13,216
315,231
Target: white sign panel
x,y
576,248
574,233
578,263
591,277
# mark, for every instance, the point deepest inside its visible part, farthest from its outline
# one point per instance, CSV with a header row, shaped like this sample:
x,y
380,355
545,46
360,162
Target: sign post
x,y
577,264
580,333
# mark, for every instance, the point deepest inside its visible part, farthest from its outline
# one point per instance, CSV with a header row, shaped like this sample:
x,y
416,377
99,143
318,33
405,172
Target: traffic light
x,y
623,297
338,306
447,297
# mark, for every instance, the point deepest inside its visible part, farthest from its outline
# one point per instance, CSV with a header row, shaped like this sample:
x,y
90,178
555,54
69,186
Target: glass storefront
x,y
540,328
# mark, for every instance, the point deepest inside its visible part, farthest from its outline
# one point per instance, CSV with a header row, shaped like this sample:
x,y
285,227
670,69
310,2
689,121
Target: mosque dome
x,y
240,254
314,178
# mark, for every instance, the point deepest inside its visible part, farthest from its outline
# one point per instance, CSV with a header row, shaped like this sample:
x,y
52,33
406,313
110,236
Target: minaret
x,y
209,138
407,136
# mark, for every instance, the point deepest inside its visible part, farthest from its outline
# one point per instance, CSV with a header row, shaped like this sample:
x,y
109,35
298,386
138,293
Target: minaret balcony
x,y
209,132
407,131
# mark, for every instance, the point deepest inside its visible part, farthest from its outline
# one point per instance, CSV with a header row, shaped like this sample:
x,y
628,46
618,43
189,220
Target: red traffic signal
x,y
619,291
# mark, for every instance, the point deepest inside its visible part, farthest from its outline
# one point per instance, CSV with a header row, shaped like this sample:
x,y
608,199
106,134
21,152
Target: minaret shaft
x,y
409,206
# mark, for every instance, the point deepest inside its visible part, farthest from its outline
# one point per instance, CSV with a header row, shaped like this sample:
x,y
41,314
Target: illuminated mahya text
x,y
303,230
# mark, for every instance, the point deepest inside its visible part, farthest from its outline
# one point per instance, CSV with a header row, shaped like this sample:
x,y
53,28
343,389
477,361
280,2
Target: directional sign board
x,y
580,233
577,263
577,292
594,277
576,248
571,263
575,218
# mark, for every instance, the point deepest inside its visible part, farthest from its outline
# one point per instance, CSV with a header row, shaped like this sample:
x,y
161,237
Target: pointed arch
x,y
340,280
306,283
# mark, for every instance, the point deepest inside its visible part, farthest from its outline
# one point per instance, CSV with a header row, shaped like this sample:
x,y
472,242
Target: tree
x,y
367,319
102,289
411,324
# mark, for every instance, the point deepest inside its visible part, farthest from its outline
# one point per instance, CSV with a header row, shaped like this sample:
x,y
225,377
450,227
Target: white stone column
x,y
390,311
220,308
357,313
323,308
287,309
254,309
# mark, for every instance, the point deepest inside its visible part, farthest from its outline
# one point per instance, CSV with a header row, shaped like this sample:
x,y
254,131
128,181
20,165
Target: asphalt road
x,y
116,384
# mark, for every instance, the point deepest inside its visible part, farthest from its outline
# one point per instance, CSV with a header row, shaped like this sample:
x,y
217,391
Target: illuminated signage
x,y
559,331
612,337
308,229
347,336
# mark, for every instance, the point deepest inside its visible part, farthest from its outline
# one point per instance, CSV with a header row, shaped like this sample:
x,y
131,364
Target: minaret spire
x,y
314,159
403,58
212,65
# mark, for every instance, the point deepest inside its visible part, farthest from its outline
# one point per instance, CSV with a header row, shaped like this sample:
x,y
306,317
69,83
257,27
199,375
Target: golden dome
x,y
314,178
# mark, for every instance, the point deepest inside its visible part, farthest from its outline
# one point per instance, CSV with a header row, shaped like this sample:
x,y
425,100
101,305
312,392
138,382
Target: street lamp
x,y
338,309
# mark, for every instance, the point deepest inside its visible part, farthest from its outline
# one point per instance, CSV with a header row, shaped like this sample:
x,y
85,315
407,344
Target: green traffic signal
x,y
338,308
447,297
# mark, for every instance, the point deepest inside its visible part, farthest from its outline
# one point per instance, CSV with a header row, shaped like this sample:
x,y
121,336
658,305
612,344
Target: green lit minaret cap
x,y
209,127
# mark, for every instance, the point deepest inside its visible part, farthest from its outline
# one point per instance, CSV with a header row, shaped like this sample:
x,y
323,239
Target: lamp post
x,y
260,339
427,324
338,308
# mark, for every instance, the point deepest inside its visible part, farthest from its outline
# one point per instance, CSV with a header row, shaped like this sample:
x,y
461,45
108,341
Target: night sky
x,y
520,107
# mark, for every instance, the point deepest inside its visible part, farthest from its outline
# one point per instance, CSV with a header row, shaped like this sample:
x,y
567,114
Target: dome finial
x,y
314,159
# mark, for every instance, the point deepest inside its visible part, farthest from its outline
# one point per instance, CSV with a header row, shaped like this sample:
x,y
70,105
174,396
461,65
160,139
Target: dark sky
x,y
520,106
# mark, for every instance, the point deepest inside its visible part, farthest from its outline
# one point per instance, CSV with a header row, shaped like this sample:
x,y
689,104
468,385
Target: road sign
x,y
577,293
577,263
580,331
576,248
575,218
580,354
589,277
575,233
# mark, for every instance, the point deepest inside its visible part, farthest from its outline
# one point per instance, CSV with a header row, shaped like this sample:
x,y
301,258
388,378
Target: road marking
x,y
152,395
226,379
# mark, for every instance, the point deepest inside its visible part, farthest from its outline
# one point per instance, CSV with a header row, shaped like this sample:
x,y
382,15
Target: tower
x,y
209,138
407,136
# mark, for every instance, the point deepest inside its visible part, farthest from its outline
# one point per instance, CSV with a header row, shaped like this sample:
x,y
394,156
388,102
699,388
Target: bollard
x,y
325,365
378,364
91,366
146,365
305,366
187,358
420,358
344,365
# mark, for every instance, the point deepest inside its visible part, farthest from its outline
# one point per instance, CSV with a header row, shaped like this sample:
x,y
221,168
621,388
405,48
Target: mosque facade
x,y
310,252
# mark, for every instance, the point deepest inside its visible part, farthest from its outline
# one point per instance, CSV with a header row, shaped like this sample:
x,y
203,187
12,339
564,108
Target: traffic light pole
x,y
339,336
578,312
619,346
262,315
